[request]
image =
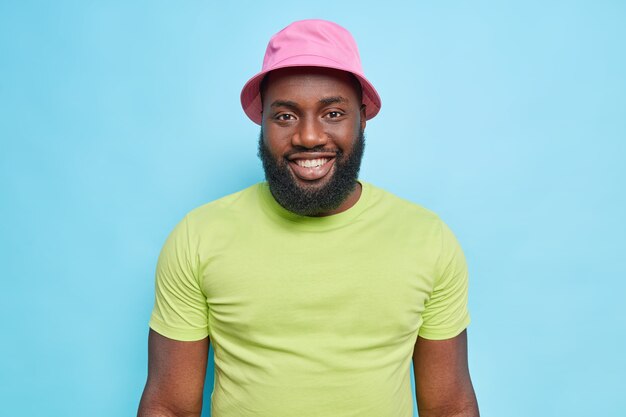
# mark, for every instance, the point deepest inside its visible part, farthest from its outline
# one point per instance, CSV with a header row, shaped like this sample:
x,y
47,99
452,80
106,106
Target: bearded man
x,y
317,290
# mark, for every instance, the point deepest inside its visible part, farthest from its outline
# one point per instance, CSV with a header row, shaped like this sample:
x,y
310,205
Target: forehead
x,y
310,81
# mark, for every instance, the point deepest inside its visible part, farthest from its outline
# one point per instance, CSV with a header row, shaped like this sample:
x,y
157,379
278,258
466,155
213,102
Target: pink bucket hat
x,y
310,43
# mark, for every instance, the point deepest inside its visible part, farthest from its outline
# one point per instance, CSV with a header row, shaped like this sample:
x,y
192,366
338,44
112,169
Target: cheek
x,y
346,137
278,139
276,146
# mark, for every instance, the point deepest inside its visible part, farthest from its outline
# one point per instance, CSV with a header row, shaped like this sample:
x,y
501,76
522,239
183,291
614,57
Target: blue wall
x,y
506,118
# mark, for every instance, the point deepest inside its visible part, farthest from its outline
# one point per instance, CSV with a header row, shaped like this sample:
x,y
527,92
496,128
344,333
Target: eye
x,y
285,117
334,114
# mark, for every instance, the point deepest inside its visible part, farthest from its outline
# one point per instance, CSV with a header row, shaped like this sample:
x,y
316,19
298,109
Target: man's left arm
x,y
442,381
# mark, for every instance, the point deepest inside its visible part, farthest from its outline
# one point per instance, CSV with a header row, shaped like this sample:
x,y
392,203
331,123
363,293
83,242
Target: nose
x,y
309,134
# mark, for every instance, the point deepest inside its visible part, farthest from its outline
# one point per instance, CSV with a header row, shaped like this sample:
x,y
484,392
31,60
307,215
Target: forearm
x,y
469,409
150,406
161,411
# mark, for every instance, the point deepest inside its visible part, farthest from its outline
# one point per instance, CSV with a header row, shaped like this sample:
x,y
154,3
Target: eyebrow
x,y
333,100
324,100
284,103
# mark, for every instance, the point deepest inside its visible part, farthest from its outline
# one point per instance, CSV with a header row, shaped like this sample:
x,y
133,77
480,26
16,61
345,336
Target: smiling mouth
x,y
311,163
311,169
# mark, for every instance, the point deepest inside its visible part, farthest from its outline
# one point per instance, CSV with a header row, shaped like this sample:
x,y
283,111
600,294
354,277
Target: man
x,y
316,289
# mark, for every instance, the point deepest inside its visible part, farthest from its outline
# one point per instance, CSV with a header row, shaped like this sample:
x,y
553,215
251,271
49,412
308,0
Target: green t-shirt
x,y
311,316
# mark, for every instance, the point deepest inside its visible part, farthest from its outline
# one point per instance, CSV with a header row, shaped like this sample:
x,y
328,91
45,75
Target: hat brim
x,y
251,95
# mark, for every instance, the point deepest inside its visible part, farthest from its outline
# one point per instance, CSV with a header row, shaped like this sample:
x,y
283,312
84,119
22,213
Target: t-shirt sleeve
x,y
445,313
180,309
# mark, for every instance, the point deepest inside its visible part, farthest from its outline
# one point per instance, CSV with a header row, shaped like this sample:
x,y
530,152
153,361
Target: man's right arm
x,y
176,372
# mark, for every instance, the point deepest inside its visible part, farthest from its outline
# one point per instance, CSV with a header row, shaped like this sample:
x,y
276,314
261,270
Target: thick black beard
x,y
312,201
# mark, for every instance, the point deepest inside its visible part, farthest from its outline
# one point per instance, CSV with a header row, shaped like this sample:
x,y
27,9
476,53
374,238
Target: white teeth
x,y
311,163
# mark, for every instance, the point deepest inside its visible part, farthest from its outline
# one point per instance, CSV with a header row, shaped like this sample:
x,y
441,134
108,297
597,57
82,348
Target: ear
x,y
363,121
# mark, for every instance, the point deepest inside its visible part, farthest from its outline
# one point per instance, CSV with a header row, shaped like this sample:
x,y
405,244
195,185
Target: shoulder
x,y
223,217
407,218
230,205
392,205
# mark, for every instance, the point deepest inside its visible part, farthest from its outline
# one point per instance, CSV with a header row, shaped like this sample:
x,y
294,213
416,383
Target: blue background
x,y
506,118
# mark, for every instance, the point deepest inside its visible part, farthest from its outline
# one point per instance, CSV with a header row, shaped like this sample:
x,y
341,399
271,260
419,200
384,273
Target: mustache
x,y
302,149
